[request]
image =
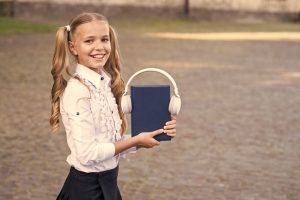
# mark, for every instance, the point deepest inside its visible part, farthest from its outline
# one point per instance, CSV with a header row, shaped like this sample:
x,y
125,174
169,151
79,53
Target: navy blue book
x,y
150,109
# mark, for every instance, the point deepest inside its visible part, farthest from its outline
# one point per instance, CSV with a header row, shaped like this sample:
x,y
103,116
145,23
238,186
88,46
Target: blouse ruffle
x,y
104,109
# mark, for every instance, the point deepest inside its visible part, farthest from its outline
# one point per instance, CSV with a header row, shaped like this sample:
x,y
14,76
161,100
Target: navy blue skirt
x,y
91,186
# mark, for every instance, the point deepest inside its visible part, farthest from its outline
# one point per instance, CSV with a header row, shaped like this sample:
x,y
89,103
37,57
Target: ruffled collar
x,y
98,80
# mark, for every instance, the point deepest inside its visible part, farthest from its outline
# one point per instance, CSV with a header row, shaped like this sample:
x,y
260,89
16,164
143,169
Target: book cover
x,y
150,109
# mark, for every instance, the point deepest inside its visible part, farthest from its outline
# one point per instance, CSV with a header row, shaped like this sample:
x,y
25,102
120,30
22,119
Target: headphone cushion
x,y
175,105
126,104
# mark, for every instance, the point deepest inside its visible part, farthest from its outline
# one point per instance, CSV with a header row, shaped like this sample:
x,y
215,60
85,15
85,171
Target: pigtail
x,y
60,62
113,67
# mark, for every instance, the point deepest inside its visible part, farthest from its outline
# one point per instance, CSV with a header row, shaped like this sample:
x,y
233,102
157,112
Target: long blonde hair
x,y
61,64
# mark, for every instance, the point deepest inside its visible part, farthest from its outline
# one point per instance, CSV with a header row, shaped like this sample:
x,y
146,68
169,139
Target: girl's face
x,y
91,44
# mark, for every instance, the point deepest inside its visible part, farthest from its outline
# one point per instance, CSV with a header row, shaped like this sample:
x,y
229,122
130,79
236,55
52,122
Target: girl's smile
x,y
91,44
98,56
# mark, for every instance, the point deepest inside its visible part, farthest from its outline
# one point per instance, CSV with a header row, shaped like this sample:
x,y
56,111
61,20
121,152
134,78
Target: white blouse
x,y
91,120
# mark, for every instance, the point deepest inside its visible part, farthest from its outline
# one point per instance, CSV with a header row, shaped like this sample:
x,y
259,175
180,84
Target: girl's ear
x,y
72,48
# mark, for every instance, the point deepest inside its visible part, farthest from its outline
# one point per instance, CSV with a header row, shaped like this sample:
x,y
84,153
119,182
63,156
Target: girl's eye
x,y
89,41
105,40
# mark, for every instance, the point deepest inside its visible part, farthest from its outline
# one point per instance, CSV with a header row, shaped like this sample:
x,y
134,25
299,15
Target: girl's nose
x,y
99,45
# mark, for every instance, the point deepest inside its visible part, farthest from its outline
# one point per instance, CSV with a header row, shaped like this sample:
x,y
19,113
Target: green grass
x,y
181,25
15,26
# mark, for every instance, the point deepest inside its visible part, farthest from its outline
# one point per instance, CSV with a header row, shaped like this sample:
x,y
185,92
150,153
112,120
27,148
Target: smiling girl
x,y
89,105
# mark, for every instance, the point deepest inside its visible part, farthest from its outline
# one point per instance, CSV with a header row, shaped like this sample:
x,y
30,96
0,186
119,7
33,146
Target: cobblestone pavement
x,y
238,132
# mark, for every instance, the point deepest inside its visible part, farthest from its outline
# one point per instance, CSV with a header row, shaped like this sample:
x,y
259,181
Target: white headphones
x,y
175,102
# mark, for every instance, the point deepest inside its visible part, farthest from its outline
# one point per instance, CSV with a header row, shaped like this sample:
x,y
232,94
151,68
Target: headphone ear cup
x,y
175,105
126,104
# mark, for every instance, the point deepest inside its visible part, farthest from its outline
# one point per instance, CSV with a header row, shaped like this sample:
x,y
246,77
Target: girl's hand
x,y
170,127
146,140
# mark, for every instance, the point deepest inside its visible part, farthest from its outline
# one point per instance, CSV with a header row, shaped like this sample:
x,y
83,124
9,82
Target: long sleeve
x,y
87,148
128,151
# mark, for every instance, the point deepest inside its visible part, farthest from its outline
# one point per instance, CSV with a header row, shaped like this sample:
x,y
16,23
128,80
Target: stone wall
x,y
148,3
249,5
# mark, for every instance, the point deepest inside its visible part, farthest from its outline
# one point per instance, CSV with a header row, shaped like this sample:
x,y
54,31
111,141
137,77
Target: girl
x,y
89,104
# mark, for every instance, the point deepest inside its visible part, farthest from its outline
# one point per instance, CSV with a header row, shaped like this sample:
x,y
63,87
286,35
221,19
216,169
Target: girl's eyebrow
x,y
92,36
89,37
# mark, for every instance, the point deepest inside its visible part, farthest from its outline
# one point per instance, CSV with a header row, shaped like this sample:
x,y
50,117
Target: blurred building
x,y
241,5
200,9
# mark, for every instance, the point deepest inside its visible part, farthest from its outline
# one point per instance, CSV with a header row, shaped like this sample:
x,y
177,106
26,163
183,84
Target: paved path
x,y
238,132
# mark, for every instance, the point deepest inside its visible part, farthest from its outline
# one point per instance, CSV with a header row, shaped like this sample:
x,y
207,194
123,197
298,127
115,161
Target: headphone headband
x,y
166,74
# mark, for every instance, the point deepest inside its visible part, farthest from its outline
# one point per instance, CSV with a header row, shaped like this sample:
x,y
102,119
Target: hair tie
x,y
68,28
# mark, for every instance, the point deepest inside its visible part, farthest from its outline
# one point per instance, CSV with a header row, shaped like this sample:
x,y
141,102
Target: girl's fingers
x,y
171,131
172,126
171,122
172,135
156,132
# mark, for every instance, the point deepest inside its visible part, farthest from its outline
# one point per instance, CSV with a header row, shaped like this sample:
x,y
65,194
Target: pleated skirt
x,y
90,186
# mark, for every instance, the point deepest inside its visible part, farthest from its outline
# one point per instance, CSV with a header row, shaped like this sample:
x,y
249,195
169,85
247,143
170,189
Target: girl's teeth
x,y
98,56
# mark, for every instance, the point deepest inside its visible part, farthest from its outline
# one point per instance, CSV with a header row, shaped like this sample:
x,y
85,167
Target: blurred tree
x,y
186,7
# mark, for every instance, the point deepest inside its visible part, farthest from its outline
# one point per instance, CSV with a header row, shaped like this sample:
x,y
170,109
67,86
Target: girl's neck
x,y
98,70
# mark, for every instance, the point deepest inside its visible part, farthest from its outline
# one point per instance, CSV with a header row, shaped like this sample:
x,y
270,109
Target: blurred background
x,y
237,67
